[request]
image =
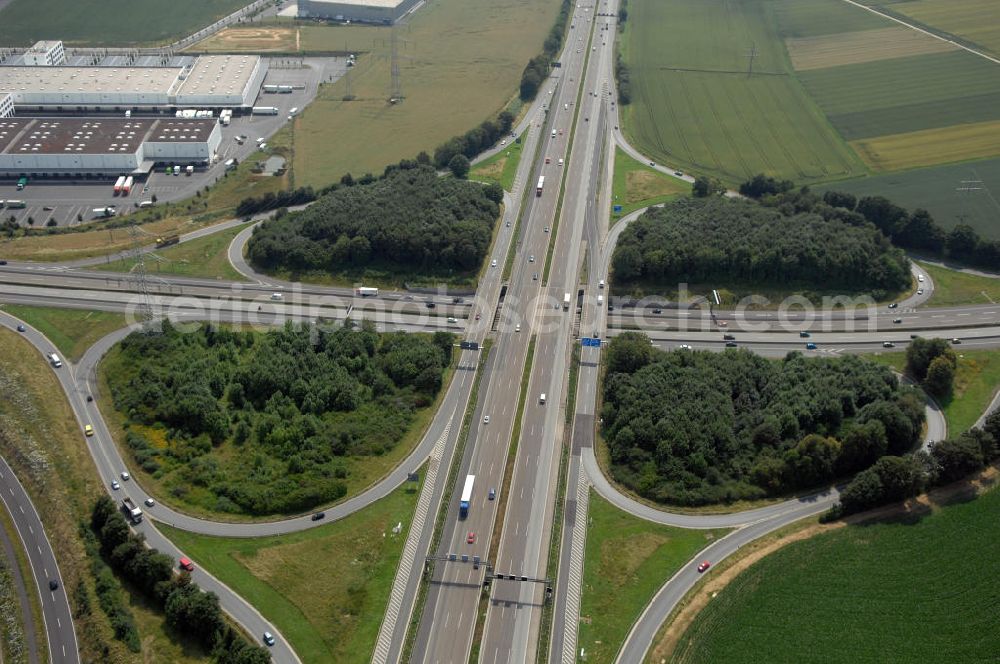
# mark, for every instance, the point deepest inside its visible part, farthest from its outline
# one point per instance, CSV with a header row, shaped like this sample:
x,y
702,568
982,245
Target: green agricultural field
x,y
72,331
906,94
627,560
974,21
923,589
956,193
109,22
453,78
207,256
812,18
325,588
694,105
637,185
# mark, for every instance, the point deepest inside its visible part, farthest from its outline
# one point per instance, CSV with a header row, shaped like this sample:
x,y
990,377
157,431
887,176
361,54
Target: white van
x,y
560,162
277,296
553,133
54,360
541,399
600,300
600,284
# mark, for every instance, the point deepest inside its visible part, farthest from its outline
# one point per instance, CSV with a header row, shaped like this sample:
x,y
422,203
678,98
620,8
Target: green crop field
x,y
920,590
627,560
957,193
974,21
109,22
906,94
812,18
694,105
453,77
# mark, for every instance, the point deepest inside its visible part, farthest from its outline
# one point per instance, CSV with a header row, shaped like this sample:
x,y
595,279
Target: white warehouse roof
x,y
88,79
218,74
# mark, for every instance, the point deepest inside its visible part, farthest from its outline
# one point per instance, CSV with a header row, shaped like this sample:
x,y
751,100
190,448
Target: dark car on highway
x,y
318,515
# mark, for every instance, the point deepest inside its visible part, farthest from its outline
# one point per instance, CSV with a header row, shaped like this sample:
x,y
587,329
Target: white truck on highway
x,y
566,302
366,292
132,510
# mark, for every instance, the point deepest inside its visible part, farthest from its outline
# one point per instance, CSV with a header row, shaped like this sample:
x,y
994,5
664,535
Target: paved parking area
x,y
73,202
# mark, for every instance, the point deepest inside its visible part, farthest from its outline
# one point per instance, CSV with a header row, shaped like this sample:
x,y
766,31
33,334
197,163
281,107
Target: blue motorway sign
x,y
590,341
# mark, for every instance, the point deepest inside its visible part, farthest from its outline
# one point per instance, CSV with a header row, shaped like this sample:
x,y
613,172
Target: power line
x,y
145,306
752,55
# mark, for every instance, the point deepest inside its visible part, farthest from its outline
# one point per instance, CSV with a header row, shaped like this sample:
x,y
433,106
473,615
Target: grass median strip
x,y
955,288
325,588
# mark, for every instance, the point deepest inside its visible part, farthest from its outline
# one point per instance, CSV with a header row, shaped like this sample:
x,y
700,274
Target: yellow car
x,y
88,430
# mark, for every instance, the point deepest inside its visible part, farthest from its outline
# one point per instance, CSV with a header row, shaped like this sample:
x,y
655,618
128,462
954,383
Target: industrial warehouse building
x,y
103,146
210,81
359,11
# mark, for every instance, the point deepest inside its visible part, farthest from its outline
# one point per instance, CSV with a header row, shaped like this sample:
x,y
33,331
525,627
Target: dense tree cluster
x,y
762,185
720,240
932,363
474,141
918,231
893,479
410,219
538,67
190,611
272,201
694,428
624,78
111,597
288,407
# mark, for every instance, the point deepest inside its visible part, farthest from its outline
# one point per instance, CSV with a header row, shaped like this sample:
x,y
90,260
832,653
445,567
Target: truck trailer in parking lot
x,y
127,186
265,110
16,205
108,211
119,183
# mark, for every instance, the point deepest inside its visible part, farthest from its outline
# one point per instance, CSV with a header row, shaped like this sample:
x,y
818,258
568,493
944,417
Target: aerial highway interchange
x,y
574,120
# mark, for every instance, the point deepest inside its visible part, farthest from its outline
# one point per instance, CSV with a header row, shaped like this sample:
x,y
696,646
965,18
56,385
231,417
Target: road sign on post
x,y
469,345
590,341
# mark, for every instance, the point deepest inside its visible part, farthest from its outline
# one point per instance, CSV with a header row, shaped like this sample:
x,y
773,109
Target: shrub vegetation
x,y
693,428
265,423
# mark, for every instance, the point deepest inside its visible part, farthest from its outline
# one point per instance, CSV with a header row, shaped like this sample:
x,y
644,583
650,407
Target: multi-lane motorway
x,y
569,135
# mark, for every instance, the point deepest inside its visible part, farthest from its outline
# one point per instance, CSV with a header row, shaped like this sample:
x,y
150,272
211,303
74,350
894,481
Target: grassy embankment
x,y
42,441
204,257
501,167
637,185
977,379
954,288
72,331
627,560
325,588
